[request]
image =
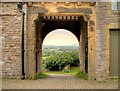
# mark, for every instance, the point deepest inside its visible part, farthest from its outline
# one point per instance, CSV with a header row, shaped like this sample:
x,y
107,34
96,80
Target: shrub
x,y
58,61
82,74
75,57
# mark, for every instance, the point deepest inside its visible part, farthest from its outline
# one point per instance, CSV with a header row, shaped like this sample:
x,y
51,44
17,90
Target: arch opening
x,y
63,43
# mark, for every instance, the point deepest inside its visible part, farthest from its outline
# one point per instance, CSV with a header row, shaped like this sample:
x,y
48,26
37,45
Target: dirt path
x,y
61,76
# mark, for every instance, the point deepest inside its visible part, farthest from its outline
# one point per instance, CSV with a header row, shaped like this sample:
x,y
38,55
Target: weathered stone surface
x,y
91,23
50,0
36,10
11,42
83,47
99,17
74,10
0,50
105,21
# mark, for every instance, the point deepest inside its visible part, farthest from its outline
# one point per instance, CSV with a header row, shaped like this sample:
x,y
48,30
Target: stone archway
x,y
71,24
81,25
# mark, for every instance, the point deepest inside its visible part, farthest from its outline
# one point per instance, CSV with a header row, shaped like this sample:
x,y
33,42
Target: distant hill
x,y
73,46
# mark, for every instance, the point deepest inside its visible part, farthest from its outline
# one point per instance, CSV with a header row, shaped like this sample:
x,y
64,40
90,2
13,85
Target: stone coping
x,y
55,0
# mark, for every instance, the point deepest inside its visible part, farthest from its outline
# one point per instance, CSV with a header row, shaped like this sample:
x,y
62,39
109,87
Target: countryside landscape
x,y
61,59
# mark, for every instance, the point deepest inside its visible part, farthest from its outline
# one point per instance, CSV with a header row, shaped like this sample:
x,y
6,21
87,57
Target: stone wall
x,y
0,33
11,40
106,19
0,45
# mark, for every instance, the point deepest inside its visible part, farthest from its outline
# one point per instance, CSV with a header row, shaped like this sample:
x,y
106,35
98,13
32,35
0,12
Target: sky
x,y
60,37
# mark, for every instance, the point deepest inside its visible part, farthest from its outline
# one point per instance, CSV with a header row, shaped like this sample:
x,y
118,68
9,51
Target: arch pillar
x,y
91,48
88,46
39,45
31,46
82,44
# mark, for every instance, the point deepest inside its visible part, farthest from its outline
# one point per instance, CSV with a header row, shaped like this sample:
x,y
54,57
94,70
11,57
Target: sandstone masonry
x,y
98,24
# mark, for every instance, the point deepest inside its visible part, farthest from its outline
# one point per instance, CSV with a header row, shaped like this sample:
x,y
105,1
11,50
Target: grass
x,y
40,76
82,75
115,78
72,71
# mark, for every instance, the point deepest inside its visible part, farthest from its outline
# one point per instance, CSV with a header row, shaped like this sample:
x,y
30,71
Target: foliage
x,y
75,56
82,74
66,71
58,61
41,76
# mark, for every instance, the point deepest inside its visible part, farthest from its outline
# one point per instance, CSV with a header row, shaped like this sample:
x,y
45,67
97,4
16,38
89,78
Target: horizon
x,y
61,45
